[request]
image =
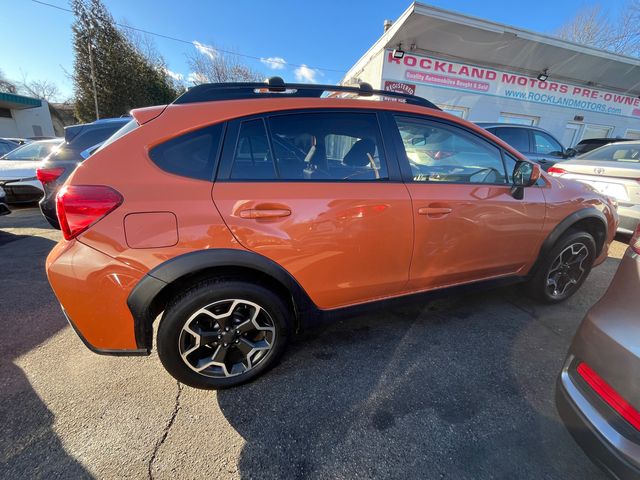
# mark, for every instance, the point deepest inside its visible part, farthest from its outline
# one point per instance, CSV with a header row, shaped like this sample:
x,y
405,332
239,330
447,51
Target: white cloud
x,y
196,78
178,77
207,50
306,74
276,63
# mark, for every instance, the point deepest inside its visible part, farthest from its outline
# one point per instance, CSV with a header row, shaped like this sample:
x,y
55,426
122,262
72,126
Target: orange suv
x,y
242,213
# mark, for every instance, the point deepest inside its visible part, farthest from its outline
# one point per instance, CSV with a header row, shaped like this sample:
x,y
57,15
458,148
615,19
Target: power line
x,y
182,40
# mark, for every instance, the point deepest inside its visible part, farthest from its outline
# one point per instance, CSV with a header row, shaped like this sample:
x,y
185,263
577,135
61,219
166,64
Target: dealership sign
x,y
422,70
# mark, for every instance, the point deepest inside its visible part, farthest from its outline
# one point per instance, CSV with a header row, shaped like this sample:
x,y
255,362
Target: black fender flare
x,y
562,227
141,299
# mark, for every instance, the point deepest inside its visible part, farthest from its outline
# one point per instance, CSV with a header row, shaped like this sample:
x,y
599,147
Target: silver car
x,y
598,390
613,170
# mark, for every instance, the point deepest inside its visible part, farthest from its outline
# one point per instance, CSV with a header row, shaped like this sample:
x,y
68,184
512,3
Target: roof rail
x,y
276,87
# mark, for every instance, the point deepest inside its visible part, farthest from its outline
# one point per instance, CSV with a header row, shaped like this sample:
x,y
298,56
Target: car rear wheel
x,y
563,271
220,334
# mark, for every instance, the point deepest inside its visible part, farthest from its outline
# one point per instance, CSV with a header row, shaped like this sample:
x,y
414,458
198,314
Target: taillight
x,y
635,241
80,206
609,395
48,175
556,171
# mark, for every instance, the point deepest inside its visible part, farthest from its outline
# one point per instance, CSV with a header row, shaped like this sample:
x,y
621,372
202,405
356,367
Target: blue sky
x,y
35,40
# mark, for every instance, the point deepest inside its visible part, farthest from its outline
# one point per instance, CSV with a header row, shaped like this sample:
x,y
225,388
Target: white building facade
x,y
483,71
24,117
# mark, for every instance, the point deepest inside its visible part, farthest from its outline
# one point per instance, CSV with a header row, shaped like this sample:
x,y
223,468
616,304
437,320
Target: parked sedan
x,y
533,142
19,167
598,392
613,170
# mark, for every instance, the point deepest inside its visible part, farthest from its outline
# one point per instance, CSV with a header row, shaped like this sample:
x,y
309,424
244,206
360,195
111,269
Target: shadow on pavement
x,y
29,446
400,396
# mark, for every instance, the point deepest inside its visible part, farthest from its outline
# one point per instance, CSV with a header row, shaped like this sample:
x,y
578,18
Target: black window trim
x,y
385,130
407,174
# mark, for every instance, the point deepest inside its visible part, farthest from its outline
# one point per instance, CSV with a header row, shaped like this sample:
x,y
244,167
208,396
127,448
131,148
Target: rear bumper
x,y
92,289
599,440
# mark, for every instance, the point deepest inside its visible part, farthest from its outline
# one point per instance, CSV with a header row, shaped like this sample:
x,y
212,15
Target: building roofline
x,y
469,20
475,22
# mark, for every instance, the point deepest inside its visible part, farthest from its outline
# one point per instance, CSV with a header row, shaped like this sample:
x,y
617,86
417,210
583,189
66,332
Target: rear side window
x,y
328,146
190,155
518,138
252,159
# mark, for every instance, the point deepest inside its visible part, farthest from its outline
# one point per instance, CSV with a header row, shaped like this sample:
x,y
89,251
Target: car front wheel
x,y
563,271
220,334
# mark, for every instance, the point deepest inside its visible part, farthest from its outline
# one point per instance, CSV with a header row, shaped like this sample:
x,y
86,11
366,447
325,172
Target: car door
x,y
317,192
468,226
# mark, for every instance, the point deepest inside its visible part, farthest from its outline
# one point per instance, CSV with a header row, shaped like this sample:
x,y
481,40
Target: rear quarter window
x,y
191,155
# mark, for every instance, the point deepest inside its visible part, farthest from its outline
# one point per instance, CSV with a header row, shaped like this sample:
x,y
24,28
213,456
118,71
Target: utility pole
x,y
93,77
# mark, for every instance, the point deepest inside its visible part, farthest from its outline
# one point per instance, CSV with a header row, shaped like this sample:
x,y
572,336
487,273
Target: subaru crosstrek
x,y
242,213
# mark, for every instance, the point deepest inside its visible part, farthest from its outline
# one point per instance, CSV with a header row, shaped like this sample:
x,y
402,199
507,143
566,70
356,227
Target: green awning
x,y
18,102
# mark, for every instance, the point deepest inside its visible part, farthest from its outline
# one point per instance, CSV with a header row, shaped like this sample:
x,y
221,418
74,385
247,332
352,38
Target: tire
x,y
233,348
554,281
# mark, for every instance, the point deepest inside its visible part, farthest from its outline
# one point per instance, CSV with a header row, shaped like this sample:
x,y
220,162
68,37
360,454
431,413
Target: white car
x,y
18,170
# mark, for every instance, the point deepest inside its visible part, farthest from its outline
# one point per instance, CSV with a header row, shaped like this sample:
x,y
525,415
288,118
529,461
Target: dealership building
x,y
484,71
24,117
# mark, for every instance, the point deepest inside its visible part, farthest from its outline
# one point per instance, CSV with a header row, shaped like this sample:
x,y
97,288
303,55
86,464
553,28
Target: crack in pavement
x,y
165,432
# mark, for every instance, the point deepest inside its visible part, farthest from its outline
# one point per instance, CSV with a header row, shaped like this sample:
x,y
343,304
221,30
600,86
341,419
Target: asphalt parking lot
x,y
458,388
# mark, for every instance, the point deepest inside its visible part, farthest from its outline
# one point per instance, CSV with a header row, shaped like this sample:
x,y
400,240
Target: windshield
x,y
615,152
34,151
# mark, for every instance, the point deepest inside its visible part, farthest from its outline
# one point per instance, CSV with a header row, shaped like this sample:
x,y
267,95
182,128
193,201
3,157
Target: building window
x,y
460,112
632,134
596,131
518,119
5,113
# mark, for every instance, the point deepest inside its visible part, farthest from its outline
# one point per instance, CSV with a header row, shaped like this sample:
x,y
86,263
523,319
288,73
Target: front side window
x,y
439,153
328,146
544,144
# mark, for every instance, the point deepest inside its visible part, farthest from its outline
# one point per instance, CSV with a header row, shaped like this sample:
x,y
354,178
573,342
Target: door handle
x,y
257,213
434,212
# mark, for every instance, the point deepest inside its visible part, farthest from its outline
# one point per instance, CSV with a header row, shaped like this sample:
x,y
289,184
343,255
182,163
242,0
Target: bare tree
x,y
44,89
143,43
597,27
209,65
6,85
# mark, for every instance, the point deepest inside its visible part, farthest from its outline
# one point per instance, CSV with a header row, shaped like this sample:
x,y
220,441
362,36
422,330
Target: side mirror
x,y
526,174
570,152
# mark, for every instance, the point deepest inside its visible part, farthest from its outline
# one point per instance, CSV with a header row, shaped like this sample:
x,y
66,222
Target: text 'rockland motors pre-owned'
x,y
243,213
